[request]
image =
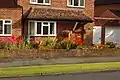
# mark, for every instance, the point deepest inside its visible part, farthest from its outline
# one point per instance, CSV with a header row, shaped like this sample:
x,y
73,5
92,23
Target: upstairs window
x,y
5,27
45,2
76,3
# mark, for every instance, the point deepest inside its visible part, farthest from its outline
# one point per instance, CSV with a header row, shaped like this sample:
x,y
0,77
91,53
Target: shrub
x,y
110,45
98,46
48,44
2,45
66,44
25,45
10,46
82,47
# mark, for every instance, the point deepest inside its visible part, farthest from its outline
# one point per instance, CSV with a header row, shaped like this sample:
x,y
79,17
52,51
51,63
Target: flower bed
x,y
12,48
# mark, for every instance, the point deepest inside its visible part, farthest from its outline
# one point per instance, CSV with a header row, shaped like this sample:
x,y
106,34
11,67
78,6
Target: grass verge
x,y
57,69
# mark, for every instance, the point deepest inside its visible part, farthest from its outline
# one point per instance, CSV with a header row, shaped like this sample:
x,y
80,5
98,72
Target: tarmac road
x,y
86,76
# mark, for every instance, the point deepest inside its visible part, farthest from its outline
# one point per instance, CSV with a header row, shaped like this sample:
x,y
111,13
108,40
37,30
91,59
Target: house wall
x,y
99,9
88,10
61,25
15,14
64,25
25,4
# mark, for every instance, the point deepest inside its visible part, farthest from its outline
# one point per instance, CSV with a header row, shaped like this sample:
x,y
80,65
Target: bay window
x,y
42,28
5,27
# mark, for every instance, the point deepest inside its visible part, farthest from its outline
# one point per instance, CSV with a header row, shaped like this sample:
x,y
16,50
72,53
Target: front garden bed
x,y
29,54
12,48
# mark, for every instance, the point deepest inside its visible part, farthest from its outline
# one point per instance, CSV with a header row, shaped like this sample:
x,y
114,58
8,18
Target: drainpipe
x,y
22,22
75,26
16,2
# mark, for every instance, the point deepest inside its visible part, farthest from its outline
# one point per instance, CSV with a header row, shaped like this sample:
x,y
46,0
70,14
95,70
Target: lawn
x,y
57,69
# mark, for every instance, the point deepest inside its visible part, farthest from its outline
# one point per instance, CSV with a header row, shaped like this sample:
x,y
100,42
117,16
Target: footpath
x,y
72,60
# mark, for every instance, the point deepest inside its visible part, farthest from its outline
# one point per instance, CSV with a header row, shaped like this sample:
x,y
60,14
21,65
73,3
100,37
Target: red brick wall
x,y
26,27
64,25
25,4
88,10
15,14
59,3
61,25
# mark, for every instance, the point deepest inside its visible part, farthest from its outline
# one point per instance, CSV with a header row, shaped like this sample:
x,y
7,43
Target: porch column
x,y
82,33
103,35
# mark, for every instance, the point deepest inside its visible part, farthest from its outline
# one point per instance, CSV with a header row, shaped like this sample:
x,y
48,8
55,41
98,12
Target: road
x,y
87,76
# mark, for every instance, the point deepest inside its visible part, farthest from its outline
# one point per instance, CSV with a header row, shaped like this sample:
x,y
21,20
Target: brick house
x,y
10,18
46,18
107,21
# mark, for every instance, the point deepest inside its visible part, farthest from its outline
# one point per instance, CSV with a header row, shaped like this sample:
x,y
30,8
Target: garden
x,y
64,45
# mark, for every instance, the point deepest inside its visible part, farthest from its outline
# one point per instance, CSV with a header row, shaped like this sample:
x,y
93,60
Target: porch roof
x,y
109,15
58,14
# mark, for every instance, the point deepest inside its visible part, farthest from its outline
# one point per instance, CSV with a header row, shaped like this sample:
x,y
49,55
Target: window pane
x,y
81,2
32,28
45,30
70,2
33,0
1,27
76,2
52,31
38,27
40,1
7,21
45,23
47,1
7,29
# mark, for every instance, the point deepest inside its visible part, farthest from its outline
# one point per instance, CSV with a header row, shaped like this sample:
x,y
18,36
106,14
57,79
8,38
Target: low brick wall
x,y
8,55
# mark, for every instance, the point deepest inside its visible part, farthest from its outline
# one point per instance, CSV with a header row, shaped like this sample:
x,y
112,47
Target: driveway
x,y
87,76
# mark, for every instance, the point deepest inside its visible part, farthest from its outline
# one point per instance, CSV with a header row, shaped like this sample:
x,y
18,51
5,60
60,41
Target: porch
x,y
50,22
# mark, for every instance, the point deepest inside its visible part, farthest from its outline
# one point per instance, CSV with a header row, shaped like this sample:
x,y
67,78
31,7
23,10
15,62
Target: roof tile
x,y
58,14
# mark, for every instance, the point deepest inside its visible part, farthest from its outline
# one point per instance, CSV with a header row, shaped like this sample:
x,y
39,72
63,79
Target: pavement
x,y
70,60
115,75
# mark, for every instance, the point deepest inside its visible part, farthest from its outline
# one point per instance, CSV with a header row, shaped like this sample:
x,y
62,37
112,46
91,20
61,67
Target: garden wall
x,y
10,55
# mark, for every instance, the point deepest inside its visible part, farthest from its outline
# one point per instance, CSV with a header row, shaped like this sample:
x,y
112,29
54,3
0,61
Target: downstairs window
x,y
42,28
5,27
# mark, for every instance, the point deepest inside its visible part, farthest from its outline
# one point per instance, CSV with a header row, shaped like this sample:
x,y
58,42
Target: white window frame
x,y
35,34
36,2
75,6
4,25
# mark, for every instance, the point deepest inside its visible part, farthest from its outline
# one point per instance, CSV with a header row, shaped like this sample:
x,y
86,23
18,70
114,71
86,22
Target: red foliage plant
x,y
11,39
77,40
